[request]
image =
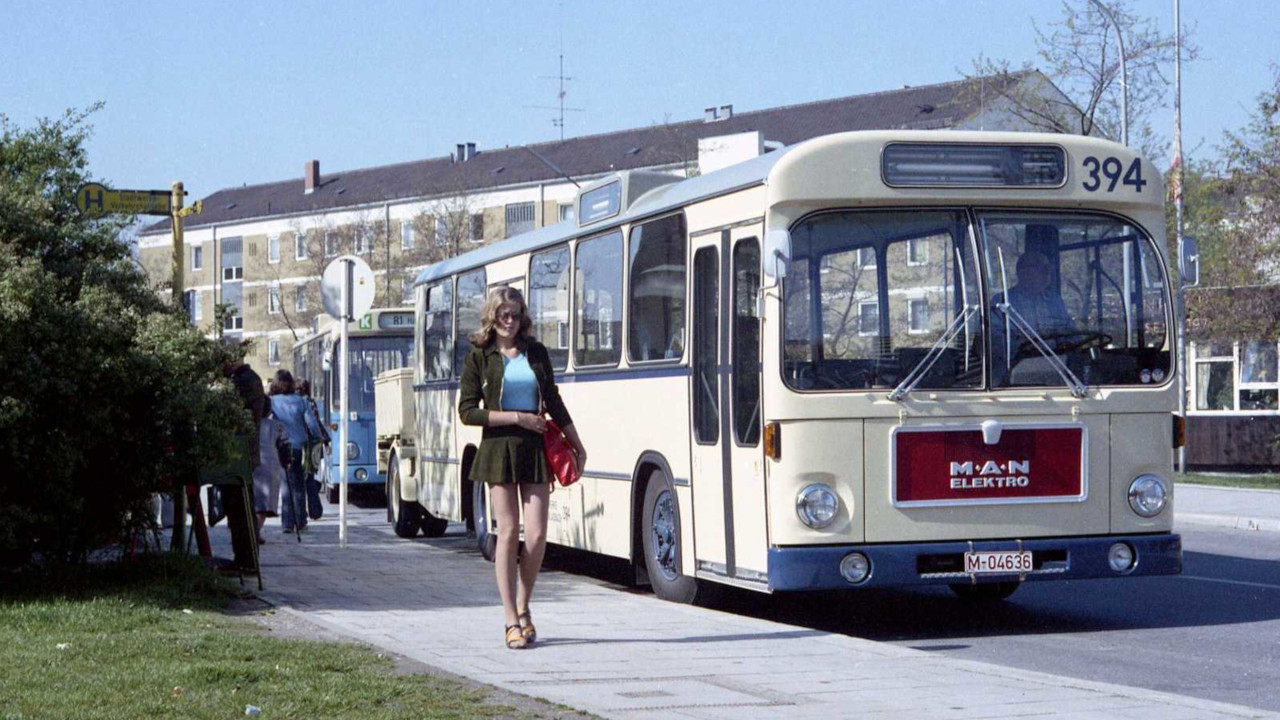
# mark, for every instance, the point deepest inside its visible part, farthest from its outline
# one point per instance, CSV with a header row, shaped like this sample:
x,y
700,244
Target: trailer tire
x,y
407,515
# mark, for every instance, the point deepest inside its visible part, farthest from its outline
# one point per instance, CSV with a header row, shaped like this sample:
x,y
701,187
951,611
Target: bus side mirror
x,y
1190,262
777,254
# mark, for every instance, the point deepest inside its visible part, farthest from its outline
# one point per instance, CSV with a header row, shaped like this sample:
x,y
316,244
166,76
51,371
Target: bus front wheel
x,y
660,539
486,541
406,515
986,592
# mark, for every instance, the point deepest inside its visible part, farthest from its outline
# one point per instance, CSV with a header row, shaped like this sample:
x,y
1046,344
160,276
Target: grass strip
x,y
1260,481
149,639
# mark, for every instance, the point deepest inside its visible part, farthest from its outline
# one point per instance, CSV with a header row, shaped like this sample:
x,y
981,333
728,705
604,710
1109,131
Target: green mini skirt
x,y
510,454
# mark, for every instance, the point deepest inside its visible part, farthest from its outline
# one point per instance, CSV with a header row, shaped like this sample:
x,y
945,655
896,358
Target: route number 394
x,y
1111,171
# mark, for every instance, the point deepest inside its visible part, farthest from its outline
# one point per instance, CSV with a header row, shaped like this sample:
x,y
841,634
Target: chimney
x,y
471,151
310,177
460,154
710,115
726,112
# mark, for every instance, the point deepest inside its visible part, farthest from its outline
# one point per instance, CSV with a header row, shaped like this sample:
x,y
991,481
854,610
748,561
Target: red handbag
x,y
560,456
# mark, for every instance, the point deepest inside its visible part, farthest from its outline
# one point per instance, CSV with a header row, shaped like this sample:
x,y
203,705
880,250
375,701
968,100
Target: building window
x,y
866,257
300,298
918,316
406,235
364,241
273,249
300,246
197,258
1236,377
519,218
566,212
477,228
232,259
192,300
233,322
273,300
869,318
330,243
917,252
273,352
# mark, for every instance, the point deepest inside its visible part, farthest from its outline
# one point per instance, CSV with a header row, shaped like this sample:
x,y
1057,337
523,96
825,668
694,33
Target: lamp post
x,y
1124,73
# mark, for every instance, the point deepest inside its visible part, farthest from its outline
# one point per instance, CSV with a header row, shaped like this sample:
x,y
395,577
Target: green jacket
x,y
482,382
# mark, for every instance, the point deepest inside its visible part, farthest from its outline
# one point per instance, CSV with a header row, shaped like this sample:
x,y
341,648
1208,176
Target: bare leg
x,y
535,539
506,510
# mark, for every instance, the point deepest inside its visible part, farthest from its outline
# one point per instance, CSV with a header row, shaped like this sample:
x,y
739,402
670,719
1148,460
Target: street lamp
x,y
1124,73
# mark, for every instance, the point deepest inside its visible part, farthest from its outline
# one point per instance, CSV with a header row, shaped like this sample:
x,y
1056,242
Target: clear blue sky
x,y
227,93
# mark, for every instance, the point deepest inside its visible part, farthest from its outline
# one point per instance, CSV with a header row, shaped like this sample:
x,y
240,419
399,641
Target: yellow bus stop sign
x,y
98,199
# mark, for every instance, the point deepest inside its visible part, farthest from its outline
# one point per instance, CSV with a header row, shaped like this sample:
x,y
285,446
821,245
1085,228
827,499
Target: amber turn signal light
x,y
772,440
1179,431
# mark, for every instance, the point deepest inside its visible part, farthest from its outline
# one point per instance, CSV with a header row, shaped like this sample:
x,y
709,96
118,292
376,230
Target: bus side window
x,y
471,297
549,302
657,290
437,331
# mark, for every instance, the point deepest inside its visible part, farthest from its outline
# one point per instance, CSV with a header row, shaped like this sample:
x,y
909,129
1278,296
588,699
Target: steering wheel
x,y
1086,340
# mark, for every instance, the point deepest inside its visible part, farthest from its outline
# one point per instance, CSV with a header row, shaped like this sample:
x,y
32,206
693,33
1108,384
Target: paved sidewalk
x,y
1227,507
622,654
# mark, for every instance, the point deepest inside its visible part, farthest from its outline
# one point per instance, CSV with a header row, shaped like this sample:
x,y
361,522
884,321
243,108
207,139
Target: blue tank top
x,y
519,384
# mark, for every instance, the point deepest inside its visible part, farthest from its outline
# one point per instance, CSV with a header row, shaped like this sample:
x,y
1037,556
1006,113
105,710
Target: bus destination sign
x,y
395,321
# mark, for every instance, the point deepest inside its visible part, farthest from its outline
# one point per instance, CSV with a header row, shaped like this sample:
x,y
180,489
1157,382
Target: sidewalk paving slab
x,y
628,655
1227,507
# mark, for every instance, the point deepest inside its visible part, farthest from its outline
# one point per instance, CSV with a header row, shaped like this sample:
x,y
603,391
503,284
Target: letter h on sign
x,y
90,199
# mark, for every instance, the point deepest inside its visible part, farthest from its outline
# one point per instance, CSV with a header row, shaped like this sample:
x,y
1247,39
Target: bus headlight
x,y
353,451
817,505
361,474
1148,495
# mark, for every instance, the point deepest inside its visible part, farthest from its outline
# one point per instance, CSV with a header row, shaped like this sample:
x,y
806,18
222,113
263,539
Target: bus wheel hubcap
x,y
664,535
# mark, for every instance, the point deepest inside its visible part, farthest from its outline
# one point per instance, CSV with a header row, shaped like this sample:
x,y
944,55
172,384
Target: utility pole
x,y
1177,204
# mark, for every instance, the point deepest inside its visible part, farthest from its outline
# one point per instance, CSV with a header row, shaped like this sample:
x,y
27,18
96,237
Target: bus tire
x,y
486,542
407,514
660,539
986,592
432,526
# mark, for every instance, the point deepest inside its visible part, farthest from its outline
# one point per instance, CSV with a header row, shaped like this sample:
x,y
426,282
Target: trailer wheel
x,y
986,592
660,538
407,514
486,542
432,526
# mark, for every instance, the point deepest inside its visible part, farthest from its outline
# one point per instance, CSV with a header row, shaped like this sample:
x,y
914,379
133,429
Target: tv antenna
x,y
559,121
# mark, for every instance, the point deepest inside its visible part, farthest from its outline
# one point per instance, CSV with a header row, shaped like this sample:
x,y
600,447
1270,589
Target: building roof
x,y
924,107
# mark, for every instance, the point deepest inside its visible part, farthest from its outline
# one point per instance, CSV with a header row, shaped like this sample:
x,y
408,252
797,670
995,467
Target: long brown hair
x,y
489,317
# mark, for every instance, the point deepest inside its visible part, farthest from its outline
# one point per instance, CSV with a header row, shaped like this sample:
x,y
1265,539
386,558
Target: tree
x,y
104,384
1080,57
1233,208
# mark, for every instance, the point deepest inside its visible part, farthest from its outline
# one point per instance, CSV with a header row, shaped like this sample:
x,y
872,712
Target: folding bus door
x,y
731,537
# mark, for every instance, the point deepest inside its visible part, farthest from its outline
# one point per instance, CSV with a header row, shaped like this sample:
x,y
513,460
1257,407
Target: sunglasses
x,y
508,316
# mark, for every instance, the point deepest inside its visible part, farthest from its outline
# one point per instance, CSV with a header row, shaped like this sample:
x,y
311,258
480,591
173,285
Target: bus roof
x,y
656,201
862,146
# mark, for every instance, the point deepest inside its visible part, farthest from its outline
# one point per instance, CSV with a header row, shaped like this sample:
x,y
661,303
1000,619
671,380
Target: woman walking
x,y
273,463
300,425
507,380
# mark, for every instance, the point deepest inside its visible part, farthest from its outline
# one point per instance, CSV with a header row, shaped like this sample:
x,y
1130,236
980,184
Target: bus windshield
x,y
883,299
370,356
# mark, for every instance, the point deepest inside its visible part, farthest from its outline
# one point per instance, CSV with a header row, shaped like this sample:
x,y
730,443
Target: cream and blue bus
x,y
381,340
892,358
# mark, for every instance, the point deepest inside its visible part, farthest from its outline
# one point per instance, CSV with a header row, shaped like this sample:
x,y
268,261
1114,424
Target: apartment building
x,y
258,251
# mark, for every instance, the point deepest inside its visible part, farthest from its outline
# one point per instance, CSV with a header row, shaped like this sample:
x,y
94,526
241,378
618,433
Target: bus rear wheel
x,y
986,592
406,515
486,541
660,540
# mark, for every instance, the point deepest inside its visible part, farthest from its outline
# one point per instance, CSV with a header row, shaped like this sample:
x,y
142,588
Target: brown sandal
x,y
527,629
515,639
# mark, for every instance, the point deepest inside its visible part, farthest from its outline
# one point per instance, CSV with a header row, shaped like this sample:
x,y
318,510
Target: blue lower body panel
x,y
372,476
1069,558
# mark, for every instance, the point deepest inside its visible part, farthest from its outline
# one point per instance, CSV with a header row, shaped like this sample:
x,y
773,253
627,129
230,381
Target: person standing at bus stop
x,y
507,380
300,425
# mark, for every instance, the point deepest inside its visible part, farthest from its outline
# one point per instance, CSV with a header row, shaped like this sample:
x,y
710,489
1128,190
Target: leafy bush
x,y
107,394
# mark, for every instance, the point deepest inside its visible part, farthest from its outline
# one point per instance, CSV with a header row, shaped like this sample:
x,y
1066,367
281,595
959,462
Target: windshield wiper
x,y
1055,361
930,358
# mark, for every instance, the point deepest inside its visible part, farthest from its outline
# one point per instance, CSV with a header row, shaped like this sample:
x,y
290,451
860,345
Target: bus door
x,y
730,531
